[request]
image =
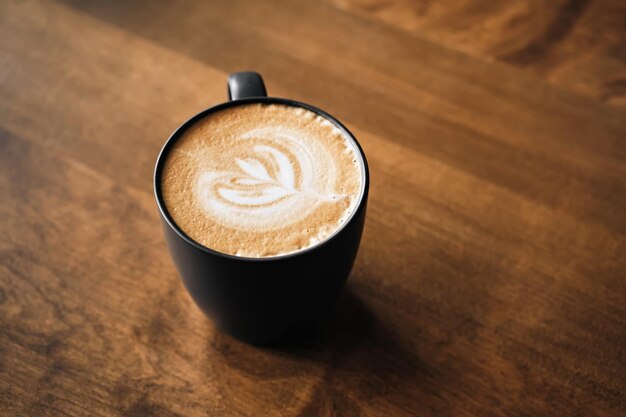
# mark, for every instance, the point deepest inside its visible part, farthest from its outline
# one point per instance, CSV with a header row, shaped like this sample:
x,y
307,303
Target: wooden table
x,y
492,275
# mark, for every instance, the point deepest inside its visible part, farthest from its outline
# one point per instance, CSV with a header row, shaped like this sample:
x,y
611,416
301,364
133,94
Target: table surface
x,y
491,277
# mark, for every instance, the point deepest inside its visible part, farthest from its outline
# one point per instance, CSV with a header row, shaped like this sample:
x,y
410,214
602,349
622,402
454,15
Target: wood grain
x,y
577,45
490,279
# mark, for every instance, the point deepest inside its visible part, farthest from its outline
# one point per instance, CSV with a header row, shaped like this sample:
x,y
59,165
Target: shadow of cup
x,y
351,350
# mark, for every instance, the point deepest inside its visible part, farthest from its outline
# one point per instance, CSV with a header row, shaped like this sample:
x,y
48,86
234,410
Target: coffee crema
x,y
262,180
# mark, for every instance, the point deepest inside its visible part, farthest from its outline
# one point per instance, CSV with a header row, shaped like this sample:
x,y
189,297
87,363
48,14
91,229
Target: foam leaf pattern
x,y
275,185
248,197
286,176
254,168
258,186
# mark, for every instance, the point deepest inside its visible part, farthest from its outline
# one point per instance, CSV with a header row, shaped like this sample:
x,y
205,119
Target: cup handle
x,y
245,85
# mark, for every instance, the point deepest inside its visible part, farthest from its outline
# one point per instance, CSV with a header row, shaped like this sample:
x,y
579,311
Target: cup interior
x,y
262,100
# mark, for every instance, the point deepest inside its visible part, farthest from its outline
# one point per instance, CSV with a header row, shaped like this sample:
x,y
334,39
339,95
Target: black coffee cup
x,y
259,300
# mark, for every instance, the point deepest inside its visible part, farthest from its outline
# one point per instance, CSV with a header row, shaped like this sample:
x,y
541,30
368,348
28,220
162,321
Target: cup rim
x,y
263,100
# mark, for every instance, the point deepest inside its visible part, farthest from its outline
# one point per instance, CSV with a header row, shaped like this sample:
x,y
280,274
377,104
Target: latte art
x,y
273,188
261,180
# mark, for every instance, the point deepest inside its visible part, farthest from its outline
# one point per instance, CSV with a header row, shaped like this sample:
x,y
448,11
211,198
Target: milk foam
x,y
273,188
282,176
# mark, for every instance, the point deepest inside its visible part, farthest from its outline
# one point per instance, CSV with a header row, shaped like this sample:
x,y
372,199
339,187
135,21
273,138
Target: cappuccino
x,y
262,180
